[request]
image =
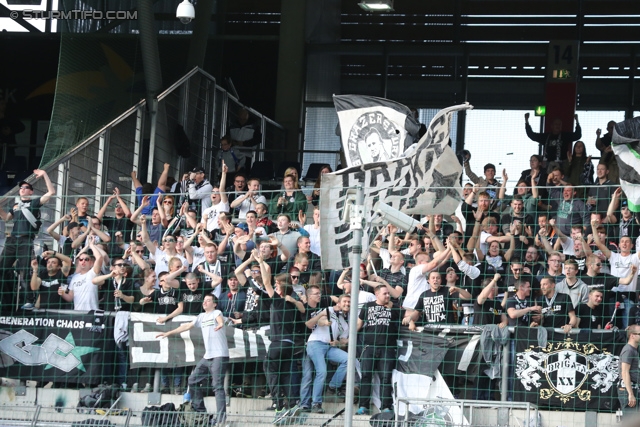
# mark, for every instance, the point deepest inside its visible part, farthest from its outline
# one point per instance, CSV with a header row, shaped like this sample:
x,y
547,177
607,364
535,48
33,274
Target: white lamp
x,y
377,5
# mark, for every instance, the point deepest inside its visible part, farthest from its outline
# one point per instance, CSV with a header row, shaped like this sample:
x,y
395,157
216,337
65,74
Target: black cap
x,y
197,169
21,183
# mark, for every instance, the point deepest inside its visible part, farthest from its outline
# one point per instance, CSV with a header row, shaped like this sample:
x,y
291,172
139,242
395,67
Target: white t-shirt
x,y
621,267
212,213
162,260
198,257
215,342
314,238
339,328
85,293
567,247
246,205
416,286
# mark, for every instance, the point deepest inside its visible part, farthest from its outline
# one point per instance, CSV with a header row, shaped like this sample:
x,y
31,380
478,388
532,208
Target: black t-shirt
x,y
602,281
489,313
555,313
21,225
283,318
436,307
48,291
381,324
582,264
518,304
590,318
123,225
108,301
165,302
192,301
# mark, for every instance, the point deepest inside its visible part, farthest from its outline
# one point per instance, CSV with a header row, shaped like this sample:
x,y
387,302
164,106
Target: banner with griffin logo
x,y
576,371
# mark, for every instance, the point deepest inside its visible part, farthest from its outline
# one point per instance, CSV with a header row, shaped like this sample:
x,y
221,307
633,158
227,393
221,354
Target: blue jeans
x,y
316,359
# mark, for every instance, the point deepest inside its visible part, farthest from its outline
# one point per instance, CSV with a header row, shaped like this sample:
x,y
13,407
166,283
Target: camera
x,y
185,12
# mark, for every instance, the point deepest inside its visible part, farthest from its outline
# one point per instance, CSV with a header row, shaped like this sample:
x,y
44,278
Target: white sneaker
x,y
134,388
147,388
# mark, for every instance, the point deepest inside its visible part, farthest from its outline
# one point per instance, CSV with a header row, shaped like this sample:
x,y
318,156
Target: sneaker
x,y
331,391
147,388
294,411
123,386
272,407
27,306
281,414
165,390
317,408
305,409
386,410
362,411
134,388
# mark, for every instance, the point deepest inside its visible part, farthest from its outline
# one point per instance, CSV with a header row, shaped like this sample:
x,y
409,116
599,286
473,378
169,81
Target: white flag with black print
x,y
374,129
425,180
626,146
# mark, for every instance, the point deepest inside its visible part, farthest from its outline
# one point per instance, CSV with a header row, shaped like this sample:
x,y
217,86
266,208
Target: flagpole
x,y
356,226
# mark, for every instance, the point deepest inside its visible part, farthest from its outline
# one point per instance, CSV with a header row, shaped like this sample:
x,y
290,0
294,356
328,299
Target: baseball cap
x,y
489,166
243,226
197,169
21,183
624,203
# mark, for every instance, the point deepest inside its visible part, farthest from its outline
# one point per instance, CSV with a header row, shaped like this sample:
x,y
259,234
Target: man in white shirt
x,y
327,342
161,256
219,203
621,264
249,200
417,276
81,289
215,360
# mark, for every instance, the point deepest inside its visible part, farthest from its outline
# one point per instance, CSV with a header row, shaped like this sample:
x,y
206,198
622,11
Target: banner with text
x,y
187,348
70,348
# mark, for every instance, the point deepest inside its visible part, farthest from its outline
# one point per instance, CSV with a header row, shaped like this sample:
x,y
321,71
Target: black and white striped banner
x,y
187,348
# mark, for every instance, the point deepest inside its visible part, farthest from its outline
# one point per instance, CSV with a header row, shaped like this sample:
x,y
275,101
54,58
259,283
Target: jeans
x,y
278,370
217,368
381,360
177,376
623,397
316,358
122,361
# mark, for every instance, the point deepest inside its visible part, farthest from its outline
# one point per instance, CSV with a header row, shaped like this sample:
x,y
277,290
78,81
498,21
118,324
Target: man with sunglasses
x,y
116,288
196,190
161,256
19,246
81,290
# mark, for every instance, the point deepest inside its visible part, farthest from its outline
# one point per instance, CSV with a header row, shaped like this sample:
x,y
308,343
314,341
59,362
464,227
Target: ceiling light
x,y
377,5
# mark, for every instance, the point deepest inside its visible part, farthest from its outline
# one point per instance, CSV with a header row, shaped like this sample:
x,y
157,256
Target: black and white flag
x,y
374,129
425,181
187,348
626,146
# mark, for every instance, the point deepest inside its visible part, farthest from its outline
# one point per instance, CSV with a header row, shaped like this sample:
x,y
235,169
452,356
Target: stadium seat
x,y
313,171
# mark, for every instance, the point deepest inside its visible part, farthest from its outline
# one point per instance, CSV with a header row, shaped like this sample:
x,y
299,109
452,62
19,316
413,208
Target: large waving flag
x,y
425,180
374,129
626,147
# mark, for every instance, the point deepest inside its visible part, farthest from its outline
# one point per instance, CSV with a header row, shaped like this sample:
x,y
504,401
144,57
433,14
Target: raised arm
x,y
105,206
484,295
174,313
134,217
215,279
180,329
613,206
35,280
224,198
242,279
52,228
144,235
512,247
503,187
596,239
51,190
265,271
100,257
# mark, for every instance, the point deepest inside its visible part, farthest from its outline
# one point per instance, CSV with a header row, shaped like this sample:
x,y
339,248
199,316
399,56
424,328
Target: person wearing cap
x,y
488,183
196,190
19,246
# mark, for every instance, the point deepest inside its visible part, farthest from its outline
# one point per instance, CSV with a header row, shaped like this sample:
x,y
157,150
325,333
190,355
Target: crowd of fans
x,y
558,252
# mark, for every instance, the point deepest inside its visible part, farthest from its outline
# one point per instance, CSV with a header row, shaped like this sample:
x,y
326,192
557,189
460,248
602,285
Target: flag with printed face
x,y
424,180
374,129
626,146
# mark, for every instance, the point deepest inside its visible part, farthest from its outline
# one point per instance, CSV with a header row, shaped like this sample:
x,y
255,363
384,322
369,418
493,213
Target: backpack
x,y
160,416
102,396
190,418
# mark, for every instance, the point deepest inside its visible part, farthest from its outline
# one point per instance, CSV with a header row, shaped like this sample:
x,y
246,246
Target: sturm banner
x,y
577,371
425,179
68,348
187,348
